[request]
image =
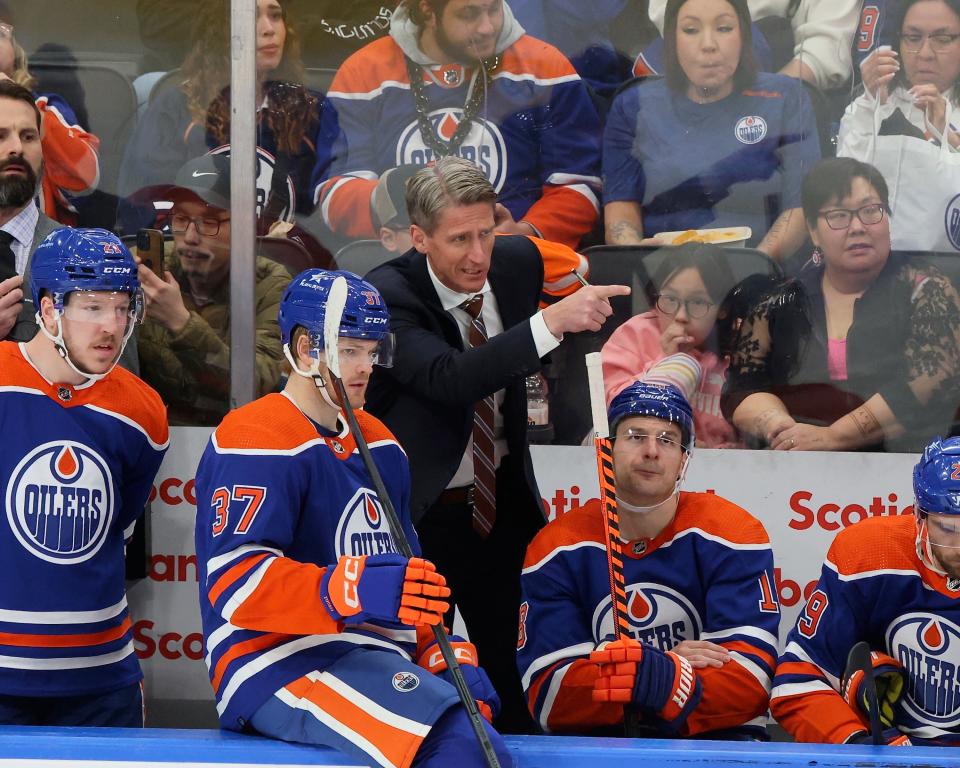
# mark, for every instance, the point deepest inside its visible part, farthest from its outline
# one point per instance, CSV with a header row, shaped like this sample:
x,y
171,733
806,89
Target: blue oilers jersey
x,y
277,502
76,470
873,30
874,587
536,135
738,161
707,576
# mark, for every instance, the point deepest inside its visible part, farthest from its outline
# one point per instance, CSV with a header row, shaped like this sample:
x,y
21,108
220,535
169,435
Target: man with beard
x,y
185,340
22,226
461,77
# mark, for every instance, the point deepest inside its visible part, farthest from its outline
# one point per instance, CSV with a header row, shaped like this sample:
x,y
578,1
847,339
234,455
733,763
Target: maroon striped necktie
x,y
484,467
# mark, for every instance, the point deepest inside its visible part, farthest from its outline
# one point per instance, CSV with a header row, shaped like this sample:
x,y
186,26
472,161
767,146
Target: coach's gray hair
x,y
449,181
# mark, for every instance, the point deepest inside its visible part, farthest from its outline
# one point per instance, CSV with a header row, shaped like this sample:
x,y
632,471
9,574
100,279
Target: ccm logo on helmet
x,y
117,270
375,320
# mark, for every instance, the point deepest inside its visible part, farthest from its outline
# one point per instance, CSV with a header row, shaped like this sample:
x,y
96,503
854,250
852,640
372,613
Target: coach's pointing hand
x,y
585,310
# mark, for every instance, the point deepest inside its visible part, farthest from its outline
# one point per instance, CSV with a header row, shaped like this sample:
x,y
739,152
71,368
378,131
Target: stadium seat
x,y
319,78
361,256
287,252
624,265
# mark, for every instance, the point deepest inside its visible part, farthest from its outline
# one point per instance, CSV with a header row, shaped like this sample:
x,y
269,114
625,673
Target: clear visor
x,y
112,311
355,352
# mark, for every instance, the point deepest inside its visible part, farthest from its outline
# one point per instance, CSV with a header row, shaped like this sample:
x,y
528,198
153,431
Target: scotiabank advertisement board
x,y
803,500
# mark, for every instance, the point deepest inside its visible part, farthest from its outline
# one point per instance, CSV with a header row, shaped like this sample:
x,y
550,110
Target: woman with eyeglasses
x,y
862,349
687,294
908,90
71,162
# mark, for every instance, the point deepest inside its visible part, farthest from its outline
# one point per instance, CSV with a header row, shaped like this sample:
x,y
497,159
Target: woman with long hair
x,y
295,126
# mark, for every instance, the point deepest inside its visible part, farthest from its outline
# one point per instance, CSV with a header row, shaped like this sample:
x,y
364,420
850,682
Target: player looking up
x,y
82,443
699,576
895,583
311,619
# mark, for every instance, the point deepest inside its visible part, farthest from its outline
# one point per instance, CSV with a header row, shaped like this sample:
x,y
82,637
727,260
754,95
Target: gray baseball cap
x,y
389,200
206,177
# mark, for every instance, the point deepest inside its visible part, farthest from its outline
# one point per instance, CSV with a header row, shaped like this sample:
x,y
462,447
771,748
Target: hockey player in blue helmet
x,y
894,582
87,297
936,490
299,571
82,442
700,656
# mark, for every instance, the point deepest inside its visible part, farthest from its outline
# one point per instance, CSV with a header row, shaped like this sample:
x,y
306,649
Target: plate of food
x,y
734,236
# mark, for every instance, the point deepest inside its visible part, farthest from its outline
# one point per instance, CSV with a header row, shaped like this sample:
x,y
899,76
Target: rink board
x,y
119,748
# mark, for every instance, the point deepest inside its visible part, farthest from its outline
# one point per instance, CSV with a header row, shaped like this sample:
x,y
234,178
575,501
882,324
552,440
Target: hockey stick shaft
x,y
861,660
336,300
403,545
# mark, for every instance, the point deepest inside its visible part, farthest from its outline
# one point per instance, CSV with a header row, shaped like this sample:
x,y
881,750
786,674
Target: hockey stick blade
x,y
336,301
859,660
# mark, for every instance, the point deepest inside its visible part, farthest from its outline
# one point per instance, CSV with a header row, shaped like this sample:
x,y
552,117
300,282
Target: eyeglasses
x,y
840,218
940,42
696,308
635,438
6,31
208,227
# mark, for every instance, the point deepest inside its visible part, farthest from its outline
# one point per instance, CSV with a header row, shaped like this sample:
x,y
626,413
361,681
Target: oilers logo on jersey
x,y
266,165
928,646
363,529
657,615
59,502
750,129
483,145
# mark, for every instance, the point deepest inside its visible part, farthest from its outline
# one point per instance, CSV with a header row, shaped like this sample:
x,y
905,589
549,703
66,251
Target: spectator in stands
x,y
747,138
389,203
331,29
912,100
70,153
295,126
584,33
863,349
809,39
459,78
185,339
687,293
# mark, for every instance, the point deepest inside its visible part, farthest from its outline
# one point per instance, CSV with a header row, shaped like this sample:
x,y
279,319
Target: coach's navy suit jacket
x,y
427,397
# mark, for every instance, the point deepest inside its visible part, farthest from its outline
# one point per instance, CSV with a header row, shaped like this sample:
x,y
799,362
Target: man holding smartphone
x,y
184,343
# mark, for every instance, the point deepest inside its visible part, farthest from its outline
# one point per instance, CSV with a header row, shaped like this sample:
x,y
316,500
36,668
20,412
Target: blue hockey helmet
x,y
662,401
82,260
936,478
365,315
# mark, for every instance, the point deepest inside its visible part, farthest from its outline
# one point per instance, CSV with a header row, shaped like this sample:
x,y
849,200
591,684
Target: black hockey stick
x,y
336,300
859,661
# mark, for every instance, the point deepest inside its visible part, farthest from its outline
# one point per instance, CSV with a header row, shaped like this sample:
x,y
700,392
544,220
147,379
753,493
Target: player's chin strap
x,y
312,373
645,510
61,346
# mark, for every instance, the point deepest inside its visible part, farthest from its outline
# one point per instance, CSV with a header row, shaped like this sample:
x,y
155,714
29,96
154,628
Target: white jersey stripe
x,y
797,689
568,548
760,634
368,95
253,581
334,725
553,689
68,662
570,652
281,652
369,706
64,617
214,564
754,669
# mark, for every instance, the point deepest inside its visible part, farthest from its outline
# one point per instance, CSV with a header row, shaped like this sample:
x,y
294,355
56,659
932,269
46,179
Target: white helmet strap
x,y
312,373
61,347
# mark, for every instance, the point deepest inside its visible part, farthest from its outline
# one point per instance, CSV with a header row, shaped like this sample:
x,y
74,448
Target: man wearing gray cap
x,y
184,342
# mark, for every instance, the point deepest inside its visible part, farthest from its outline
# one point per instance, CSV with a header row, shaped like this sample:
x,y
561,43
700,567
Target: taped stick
x,y
859,660
336,301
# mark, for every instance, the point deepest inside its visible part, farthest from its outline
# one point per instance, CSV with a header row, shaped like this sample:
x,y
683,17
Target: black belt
x,y
462,496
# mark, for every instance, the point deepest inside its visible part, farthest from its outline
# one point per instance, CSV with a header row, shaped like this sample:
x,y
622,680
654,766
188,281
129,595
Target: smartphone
x,y
150,250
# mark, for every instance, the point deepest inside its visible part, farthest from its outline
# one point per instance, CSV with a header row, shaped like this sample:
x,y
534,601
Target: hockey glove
x,y
388,588
662,683
477,681
889,676
890,736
